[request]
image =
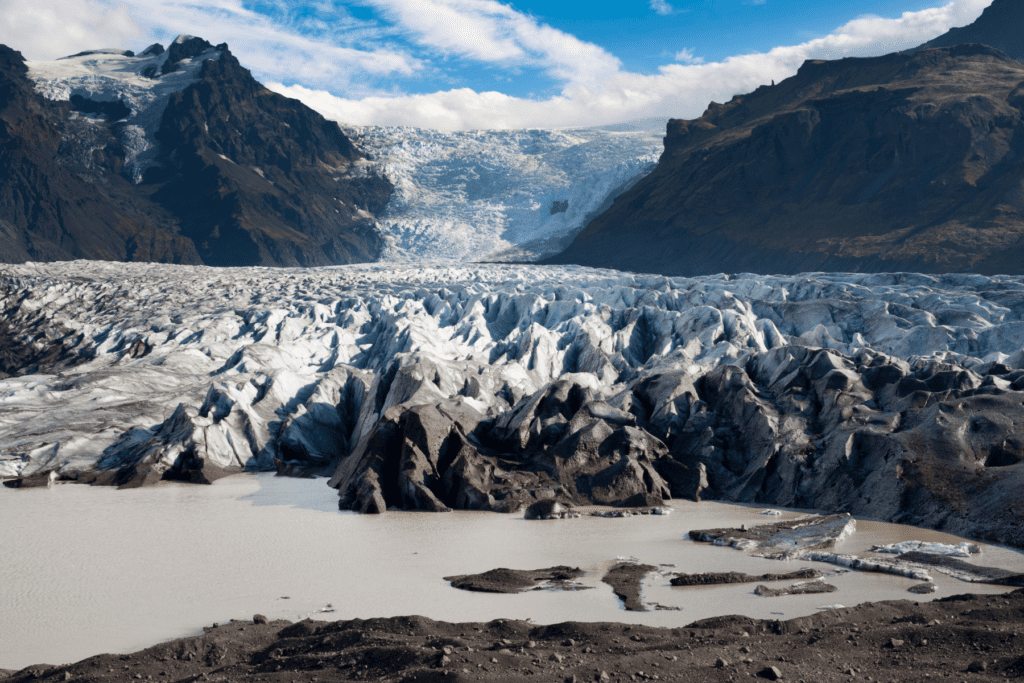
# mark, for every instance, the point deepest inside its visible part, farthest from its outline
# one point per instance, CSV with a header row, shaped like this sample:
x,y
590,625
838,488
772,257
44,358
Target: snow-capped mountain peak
x,y
112,83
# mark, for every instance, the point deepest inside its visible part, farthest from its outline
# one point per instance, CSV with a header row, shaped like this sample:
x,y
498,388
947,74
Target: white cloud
x,y
686,56
494,33
45,30
661,7
677,90
320,49
275,48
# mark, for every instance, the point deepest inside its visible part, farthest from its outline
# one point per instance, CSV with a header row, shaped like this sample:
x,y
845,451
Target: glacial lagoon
x,y
86,569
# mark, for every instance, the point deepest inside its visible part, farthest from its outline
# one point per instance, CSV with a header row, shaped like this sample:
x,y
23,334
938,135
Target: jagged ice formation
x,y
491,387
501,195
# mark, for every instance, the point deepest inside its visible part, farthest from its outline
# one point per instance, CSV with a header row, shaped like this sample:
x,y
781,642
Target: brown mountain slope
x,y
998,26
257,174
50,213
900,162
244,176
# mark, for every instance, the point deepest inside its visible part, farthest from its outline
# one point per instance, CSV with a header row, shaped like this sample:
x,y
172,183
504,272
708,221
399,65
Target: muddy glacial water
x,y
85,570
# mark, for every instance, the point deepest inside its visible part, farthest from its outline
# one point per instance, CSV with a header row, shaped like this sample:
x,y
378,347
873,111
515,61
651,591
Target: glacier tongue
x,y
442,386
501,194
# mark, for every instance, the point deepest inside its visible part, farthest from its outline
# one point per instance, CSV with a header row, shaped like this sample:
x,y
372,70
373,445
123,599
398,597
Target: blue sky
x,y
462,64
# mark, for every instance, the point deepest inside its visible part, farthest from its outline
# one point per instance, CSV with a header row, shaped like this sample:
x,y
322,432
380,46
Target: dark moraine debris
x,y
963,570
550,509
923,588
518,580
413,649
41,480
802,588
716,578
625,578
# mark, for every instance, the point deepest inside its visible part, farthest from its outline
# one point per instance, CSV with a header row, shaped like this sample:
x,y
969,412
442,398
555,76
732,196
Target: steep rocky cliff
x,y
906,162
175,155
47,210
998,26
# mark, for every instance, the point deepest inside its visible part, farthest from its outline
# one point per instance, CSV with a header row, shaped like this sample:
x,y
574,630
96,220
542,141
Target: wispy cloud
x,y
679,90
686,56
278,45
661,7
494,33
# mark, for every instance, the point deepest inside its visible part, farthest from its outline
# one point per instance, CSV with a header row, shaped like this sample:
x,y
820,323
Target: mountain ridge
x,y
100,174
905,162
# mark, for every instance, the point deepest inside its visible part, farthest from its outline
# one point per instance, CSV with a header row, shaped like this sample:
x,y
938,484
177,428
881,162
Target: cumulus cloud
x,y
677,90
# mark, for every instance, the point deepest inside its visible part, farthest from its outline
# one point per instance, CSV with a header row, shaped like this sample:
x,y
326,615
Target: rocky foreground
x,y
895,396
962,638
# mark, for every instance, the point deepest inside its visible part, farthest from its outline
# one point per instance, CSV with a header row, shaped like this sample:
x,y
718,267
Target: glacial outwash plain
x,y
583,405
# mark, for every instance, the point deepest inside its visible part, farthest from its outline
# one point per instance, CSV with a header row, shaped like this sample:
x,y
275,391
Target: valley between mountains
x,y
811,297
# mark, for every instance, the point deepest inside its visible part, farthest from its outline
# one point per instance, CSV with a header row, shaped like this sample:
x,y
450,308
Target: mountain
x,y
999,26
175,155
905,162
501,194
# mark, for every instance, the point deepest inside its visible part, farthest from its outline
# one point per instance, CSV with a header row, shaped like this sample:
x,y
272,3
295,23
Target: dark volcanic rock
x,y
625,578
407,649
803,588
999,26
518,580
246,176
48,212
260,179
906,162
714,579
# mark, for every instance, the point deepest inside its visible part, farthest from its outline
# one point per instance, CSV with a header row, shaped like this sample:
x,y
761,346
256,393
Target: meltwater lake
x,y
86,570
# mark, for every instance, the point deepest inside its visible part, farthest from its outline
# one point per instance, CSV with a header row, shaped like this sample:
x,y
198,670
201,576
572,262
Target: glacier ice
x,y
500,195
875,394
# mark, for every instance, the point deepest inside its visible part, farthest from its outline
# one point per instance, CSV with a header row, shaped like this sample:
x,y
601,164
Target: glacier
x,y
501,195
493,386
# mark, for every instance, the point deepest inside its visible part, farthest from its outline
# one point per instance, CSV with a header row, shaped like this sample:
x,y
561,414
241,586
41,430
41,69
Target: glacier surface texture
x,y
492,387
501,195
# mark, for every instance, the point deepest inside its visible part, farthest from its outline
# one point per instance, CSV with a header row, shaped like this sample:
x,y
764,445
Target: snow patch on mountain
x,y
137,81
501,195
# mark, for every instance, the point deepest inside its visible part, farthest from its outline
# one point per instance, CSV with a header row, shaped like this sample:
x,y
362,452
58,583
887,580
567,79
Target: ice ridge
x,y
819,390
